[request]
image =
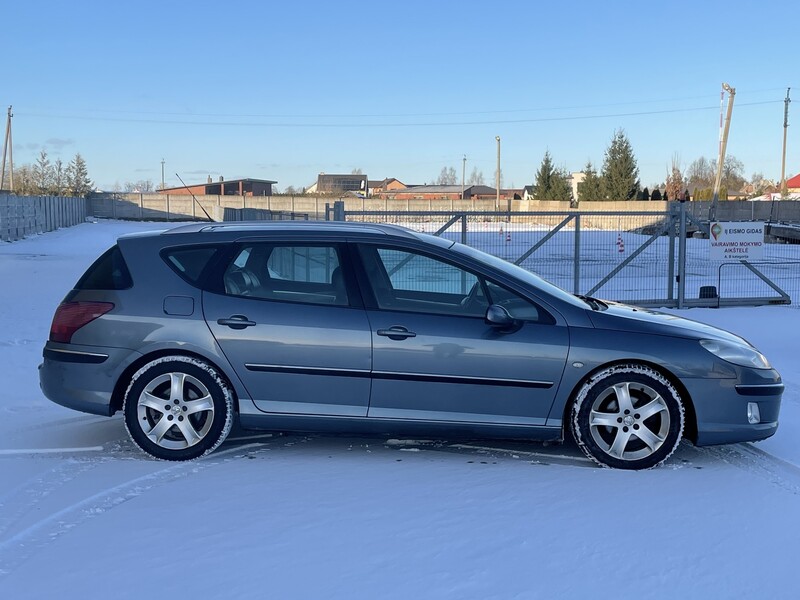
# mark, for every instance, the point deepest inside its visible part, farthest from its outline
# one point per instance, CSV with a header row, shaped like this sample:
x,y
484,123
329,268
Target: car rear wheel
x,y
628,417
178,408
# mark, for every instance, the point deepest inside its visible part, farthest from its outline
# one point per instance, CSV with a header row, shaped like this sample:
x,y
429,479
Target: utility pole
x,y
162,174
783,157
8,148
463,175
497,175
712,214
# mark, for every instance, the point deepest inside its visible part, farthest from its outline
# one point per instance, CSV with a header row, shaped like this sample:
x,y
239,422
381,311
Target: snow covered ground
x,y
85,515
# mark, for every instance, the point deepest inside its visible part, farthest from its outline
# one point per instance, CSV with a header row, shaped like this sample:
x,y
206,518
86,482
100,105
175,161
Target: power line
x,y
385,124
94,111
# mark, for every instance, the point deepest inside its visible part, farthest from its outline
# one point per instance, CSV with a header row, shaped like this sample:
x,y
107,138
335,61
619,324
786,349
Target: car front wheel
x,y
178,408
628,417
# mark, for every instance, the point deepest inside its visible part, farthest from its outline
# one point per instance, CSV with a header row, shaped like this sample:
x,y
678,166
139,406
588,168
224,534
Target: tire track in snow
x,y
17,549
24,498
746,456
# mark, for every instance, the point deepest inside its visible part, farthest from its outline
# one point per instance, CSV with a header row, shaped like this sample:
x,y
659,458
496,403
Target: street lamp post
x,y
497,175
463,175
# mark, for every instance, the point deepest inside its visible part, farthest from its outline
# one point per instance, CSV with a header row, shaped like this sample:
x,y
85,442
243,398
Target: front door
x,y
435,358
284,317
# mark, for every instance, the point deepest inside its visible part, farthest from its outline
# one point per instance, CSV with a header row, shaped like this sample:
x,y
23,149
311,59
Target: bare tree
x,y
759,183
24,181
143,186
447,176
476,177
702,173
732,173
675,182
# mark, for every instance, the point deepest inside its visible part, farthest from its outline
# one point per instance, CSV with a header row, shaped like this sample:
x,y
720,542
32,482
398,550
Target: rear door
x,y
288,317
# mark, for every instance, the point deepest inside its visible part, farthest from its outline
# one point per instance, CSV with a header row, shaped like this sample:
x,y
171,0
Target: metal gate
x,y
647,258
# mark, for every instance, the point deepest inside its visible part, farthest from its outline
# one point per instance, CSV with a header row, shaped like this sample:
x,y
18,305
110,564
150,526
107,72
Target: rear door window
x,y
302,273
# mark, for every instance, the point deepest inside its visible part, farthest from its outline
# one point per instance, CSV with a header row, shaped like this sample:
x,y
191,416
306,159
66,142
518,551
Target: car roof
x,y
275,226
237,230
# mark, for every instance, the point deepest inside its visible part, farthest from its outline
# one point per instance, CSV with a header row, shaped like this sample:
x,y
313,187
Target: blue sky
x,y
286,90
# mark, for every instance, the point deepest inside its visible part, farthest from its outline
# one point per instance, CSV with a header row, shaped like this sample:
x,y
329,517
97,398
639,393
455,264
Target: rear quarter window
x,y
190,263
109,272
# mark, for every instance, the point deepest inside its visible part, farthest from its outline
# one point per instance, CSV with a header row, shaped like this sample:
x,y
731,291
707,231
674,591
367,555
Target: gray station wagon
x,y
367,328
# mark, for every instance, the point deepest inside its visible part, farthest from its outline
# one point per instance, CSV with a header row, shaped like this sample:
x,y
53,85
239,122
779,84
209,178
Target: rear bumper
x,y
83,377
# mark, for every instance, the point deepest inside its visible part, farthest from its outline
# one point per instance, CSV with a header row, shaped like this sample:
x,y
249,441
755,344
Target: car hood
x,y
622,317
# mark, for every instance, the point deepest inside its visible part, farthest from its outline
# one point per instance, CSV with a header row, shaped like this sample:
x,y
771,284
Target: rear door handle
x,y
236,322
396,333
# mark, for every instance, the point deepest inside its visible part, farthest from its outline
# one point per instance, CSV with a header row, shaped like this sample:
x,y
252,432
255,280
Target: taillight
x,y
71,316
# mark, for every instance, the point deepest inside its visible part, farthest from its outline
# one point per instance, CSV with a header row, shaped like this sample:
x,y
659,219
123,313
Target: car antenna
x,y
193,198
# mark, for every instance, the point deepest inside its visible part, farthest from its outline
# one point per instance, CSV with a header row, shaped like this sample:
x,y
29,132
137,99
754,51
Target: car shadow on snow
x,y
108,437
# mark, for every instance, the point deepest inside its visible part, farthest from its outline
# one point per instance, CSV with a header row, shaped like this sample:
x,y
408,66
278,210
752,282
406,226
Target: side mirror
x,y
500,318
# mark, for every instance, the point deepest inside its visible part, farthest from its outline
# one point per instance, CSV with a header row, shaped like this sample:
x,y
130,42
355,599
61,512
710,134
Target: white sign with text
x,y
737,241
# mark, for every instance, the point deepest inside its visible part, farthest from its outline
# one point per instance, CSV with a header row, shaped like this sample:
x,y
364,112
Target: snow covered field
x,y
85,515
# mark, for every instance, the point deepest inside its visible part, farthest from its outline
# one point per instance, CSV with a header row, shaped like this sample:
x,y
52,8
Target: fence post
x,y
682,254
671,264
576,284
338,210
464,229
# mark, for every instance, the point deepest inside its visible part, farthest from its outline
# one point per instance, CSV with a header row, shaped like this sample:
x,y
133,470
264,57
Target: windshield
x,y
521,274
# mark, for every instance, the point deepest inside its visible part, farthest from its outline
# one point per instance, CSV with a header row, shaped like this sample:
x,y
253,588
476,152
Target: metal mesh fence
x,y
630,257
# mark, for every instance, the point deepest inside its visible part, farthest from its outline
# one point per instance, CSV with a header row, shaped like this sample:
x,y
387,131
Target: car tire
x,y
628,417
178,408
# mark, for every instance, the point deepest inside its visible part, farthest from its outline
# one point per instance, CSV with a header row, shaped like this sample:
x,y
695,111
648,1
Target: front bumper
x,y
83,377
721,406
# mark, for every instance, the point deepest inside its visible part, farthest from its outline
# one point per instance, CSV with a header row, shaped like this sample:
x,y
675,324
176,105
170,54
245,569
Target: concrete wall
x,y
21,216
787,211
181,207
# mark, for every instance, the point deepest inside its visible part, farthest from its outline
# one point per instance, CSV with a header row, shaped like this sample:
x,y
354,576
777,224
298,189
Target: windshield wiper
x,y
593,302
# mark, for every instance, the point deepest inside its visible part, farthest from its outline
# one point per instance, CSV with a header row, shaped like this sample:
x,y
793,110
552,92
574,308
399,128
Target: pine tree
x,y
560,187
77,177
59,178
544,178
656,195
551,183
645,194
591,188
620,171
42,174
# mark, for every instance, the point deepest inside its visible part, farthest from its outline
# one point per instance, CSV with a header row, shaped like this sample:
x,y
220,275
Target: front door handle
x,y
236,322
396,332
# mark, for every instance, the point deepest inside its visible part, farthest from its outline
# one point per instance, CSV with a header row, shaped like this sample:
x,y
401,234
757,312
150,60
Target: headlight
x,y
737,354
